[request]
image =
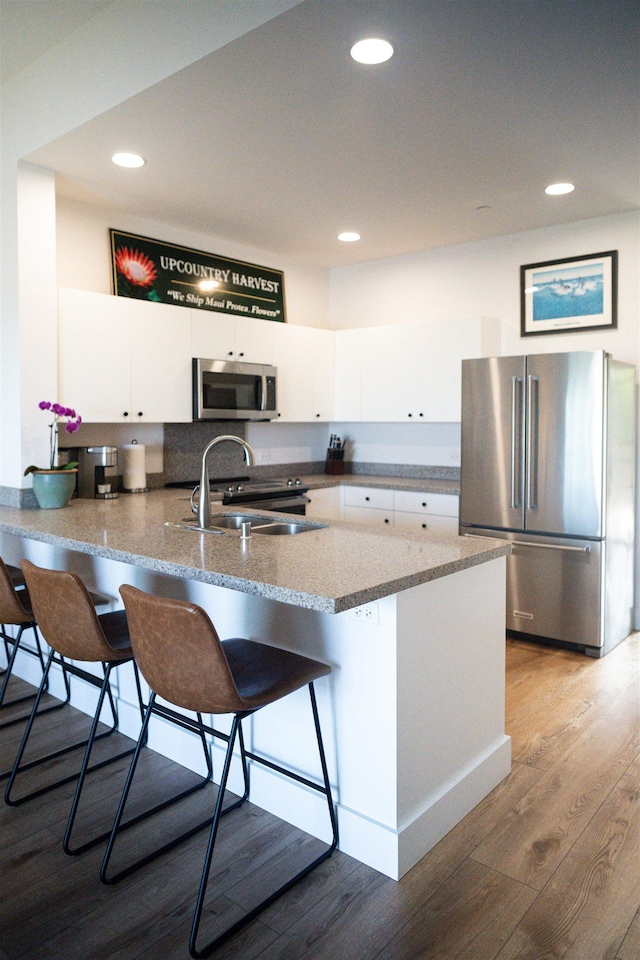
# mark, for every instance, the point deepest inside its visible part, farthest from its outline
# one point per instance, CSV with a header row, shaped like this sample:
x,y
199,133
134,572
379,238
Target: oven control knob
x,y
298,482
239,488
289,483
230,488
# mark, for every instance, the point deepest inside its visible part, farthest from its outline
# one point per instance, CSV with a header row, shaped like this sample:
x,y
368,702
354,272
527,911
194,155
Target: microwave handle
x,y
262,389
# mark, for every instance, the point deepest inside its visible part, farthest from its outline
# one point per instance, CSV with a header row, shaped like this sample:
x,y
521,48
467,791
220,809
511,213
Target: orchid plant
x,y
71,424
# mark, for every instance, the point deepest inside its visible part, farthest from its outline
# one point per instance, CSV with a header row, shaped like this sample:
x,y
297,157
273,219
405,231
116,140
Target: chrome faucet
x,y
204,502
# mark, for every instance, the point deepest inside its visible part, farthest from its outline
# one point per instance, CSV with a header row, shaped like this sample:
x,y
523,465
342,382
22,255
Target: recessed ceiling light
x,y
373,50
127,160
557,189
348,236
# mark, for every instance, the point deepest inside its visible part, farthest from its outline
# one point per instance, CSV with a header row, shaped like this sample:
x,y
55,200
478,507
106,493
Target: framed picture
x,y
577,293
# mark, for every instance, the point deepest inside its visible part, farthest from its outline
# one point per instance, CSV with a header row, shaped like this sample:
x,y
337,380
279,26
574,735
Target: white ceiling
x,y
279,140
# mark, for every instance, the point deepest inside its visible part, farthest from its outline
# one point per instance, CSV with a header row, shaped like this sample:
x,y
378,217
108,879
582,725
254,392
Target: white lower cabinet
x,y
401,509
424,522
325,503
370,505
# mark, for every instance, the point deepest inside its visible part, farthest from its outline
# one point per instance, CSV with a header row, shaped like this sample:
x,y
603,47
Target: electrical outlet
x,y
367,613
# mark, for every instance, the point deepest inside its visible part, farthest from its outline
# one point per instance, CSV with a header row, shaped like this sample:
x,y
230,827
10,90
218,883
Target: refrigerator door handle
x,y
532,442
515,434
539,546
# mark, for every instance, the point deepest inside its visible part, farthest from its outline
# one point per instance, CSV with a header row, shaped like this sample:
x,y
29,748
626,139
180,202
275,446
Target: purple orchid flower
x,y
72,424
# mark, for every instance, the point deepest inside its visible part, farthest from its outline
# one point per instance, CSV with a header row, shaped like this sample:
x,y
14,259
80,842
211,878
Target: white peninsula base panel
x,y
412,714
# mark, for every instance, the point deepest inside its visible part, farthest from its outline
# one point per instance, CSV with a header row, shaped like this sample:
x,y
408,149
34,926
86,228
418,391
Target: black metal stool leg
x,y
119,826
205,951
19,767
105,690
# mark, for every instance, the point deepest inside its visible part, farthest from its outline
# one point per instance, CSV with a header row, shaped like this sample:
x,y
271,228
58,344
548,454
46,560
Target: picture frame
x,y
569,295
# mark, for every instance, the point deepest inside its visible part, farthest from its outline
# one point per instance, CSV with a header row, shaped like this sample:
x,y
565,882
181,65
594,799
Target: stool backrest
x,y
12,611
179,653
66,616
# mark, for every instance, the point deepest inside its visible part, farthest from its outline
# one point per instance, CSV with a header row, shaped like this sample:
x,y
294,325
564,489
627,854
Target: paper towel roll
x,y
134,475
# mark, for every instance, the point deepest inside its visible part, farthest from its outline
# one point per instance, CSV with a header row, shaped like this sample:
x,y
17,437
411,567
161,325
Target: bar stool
x,y
15,611
73,630
183,660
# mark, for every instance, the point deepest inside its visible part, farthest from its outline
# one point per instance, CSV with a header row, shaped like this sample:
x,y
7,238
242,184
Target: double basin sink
x,y
262,525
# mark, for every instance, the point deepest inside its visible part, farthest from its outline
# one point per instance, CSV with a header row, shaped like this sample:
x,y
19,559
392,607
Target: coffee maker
x,y
93,481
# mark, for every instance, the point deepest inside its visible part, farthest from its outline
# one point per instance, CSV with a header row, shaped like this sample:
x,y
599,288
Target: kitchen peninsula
x,y
413,712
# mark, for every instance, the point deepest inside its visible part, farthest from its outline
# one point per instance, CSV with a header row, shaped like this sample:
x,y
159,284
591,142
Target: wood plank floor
x,y
546,867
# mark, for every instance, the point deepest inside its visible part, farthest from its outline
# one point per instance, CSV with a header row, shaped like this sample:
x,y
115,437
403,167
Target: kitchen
x,y
435,281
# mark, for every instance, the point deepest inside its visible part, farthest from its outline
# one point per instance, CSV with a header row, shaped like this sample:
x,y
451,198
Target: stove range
x,y
284,494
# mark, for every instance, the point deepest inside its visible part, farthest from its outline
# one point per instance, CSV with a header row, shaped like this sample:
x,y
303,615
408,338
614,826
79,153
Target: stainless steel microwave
x,y
227,390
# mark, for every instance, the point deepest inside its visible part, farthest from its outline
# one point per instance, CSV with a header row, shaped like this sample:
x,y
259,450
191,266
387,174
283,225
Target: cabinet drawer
x,y
383,519
442,504
374,497
424,523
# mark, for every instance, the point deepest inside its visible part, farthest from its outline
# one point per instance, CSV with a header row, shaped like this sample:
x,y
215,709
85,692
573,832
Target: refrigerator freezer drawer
x,y
554,588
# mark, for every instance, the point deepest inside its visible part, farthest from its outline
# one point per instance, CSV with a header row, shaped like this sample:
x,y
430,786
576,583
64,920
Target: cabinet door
x,y
383,519
384,359
304,358
348,374
439,349
160,363
254,339
424,523
411,501
212,335
377,498
224,337
94,355
325,503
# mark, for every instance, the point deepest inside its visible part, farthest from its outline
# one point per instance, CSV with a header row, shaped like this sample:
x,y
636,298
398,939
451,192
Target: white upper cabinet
x,y
348,374
304,357
218,336
123,360
408,372
127,360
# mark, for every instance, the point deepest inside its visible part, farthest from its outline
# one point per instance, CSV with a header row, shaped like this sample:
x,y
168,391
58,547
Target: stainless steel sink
x,y
285,529
234,521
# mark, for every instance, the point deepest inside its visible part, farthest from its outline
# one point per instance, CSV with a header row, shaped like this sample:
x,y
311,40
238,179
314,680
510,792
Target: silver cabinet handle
x,y
532,444
528,543
515,432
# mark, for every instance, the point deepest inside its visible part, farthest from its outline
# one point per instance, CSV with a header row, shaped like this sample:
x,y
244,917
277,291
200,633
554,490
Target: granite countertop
x,y
329,570
316,481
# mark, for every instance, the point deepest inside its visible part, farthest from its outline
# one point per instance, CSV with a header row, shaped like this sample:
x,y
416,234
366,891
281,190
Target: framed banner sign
x,y
577,293
165,273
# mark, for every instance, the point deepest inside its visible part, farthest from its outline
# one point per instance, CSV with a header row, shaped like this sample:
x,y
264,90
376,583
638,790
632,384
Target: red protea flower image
x,y
136,267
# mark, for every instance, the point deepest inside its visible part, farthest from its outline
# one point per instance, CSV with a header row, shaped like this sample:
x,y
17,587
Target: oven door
x,y
297,504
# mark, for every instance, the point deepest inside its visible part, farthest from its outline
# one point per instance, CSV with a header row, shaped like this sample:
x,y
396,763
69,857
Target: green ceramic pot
x,y
54,488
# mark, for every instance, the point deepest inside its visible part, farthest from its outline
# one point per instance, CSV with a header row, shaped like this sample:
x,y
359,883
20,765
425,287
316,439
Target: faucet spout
x,y
204,502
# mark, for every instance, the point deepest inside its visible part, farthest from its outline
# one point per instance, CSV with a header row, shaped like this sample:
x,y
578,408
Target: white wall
x,y
84,257
483,279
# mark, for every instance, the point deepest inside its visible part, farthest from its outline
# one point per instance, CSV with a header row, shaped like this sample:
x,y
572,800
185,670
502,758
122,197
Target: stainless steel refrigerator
x,y
548,462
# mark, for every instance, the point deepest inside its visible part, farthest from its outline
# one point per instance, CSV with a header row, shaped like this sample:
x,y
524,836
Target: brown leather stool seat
x,y
15,611
183,660
73,630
